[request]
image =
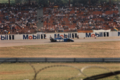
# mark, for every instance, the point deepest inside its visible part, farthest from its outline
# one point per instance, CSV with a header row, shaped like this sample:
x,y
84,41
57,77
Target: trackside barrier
x,y
6,37
69,35
9,60
89,60
112,59
54,35
100,34
23,36
31,59
59,59
33,36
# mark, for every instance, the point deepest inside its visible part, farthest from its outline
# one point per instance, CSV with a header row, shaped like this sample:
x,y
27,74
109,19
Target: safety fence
x,y
60,59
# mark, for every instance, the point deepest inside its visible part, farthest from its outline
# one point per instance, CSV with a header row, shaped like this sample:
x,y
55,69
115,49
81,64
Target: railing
x,y
60,59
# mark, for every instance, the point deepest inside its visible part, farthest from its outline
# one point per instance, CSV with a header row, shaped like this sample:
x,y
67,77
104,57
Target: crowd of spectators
x,y
84,17
20,18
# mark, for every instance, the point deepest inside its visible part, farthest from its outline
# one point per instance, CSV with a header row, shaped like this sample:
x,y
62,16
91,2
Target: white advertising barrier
x,y
118,34
114,34
23,37
69,35
99,33
18,37
33,36
47,35
6,37
82,35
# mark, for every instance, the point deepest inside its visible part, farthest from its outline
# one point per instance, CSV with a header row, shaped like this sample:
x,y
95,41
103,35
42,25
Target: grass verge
x,y
22,71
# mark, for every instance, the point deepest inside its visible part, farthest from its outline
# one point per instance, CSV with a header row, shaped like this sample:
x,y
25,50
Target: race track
x,y
11,43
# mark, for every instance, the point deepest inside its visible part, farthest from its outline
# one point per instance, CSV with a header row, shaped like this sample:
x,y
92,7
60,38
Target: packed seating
x,y
20,18
85,17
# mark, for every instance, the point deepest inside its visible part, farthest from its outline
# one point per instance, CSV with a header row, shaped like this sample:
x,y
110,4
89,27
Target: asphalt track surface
x,y
10,43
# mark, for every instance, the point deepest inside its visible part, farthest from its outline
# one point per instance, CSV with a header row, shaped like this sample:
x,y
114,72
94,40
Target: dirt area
x,y
104,49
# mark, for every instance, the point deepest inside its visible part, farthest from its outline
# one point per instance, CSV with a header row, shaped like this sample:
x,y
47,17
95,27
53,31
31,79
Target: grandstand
x,y
31,16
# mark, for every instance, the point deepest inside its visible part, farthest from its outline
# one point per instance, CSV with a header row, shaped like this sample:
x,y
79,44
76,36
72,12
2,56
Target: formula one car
x,y
60,39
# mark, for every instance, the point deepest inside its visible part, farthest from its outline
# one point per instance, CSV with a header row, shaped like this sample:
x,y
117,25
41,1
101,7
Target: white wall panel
x,y
69,34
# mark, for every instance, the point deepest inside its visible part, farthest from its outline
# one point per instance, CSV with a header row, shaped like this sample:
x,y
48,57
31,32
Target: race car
x,y
60,39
